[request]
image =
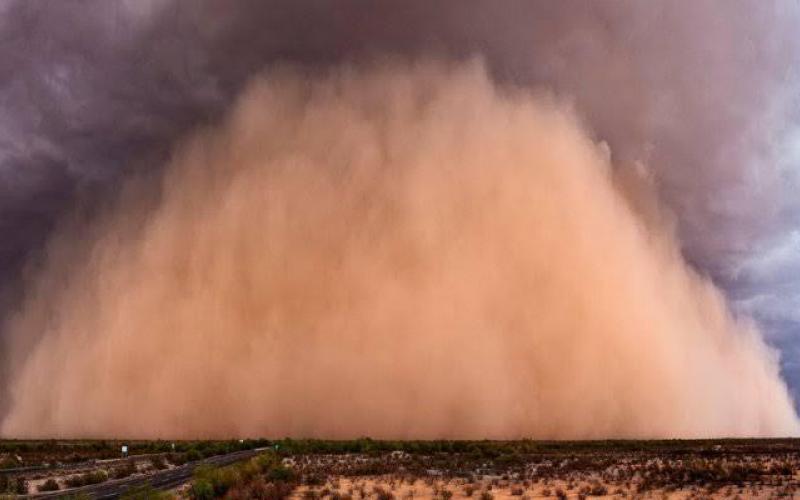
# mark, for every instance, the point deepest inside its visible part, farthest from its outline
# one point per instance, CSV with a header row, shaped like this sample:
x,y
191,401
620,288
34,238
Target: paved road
x,y
162,480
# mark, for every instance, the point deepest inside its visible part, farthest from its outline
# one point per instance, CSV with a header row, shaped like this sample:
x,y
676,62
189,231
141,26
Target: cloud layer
x,y
396,250
701,98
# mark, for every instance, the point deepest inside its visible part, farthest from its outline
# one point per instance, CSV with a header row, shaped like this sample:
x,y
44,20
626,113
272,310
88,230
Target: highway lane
x,y
162,480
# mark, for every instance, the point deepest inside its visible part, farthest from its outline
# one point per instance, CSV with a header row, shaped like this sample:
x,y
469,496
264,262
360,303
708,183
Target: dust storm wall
x,y
392,249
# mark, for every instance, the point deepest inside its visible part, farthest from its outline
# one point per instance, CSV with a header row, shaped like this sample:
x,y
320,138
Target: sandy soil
x,y
390,487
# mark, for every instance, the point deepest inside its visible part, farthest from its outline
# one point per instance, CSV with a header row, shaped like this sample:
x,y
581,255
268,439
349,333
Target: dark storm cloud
x,y
702,93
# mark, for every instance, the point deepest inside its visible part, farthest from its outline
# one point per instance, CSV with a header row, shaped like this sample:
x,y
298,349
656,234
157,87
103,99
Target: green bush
x,y
279,472
49,485
145,492
20,486
258,488
96,477
93,477
158,462
201,490
125,470
8,463
220,479
238,478
177,458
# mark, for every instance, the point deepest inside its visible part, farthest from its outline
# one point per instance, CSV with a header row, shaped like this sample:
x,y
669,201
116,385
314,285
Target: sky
x,y
703,97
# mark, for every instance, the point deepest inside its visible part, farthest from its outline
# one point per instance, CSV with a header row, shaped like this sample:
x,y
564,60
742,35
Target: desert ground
x,y
368,468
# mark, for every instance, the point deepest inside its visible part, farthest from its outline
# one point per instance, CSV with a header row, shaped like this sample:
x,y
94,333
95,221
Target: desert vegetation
x,y
518,469
265,476
26,453
366,468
